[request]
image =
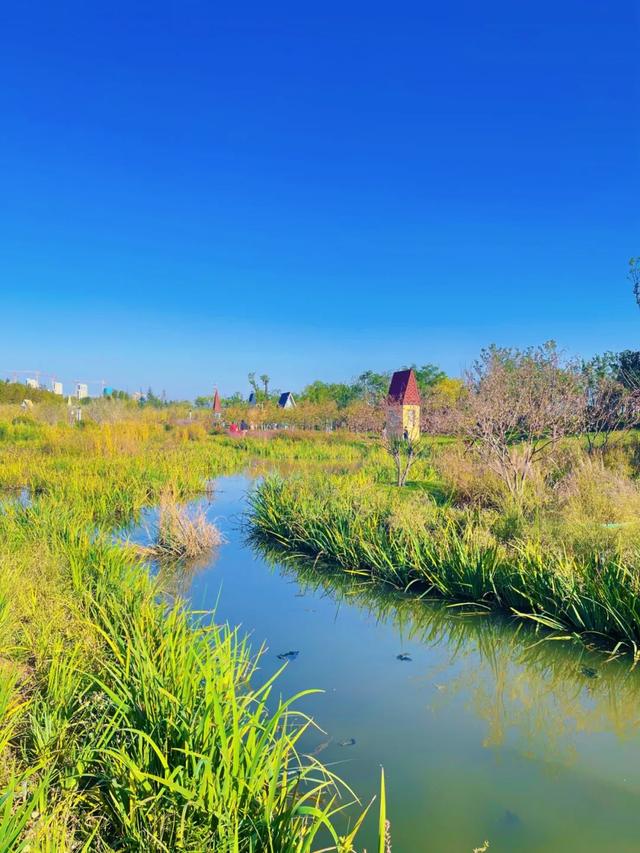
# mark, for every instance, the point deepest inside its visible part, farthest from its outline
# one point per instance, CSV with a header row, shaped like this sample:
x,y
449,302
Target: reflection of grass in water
x,y
408,540
548,690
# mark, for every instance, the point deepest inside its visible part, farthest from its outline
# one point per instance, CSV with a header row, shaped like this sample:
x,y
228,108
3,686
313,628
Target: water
x,y
485,734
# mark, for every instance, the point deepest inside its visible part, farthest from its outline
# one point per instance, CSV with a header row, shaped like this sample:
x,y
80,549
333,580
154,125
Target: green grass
x,y
410,542
126,723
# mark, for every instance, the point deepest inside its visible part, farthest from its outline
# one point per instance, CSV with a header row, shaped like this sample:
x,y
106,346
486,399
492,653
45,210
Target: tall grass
x,y
180,533
412,543
139,727
126,722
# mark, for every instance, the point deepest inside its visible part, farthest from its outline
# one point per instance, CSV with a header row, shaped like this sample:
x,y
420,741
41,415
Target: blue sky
x,y
191,191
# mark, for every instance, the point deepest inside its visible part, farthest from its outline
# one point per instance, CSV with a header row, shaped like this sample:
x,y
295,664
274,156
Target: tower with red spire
x,y
216,407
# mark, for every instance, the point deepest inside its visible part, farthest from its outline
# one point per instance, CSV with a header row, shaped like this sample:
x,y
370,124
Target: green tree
x,y
324,392
203,402
628,372
372,387
427,376
254,384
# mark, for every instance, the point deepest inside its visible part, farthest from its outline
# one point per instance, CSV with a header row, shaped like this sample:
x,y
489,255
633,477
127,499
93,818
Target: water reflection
x,y
489,731
516,678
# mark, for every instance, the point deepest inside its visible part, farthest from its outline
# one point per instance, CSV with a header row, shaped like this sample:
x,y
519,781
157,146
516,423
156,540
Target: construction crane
x,y
36,374
15,373
88,382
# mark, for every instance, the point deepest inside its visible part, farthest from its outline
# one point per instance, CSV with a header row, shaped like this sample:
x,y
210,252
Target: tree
x,y
634,276
265,379
610,407
323,392
427,376
362,417
441,405
519,405
628,369
372,387
253,383
153,400
404,452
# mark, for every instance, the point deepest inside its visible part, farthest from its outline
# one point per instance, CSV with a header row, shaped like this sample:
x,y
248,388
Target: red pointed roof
x,y
404,388
216,402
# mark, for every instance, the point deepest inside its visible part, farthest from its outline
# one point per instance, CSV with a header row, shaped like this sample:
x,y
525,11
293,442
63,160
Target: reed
x,y
181,534
127,722
412,543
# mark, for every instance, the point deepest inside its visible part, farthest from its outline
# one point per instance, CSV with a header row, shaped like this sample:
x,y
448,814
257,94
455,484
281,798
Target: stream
x,y
485,730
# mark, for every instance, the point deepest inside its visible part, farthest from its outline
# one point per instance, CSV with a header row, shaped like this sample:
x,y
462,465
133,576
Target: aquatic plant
x,y
181,534
416,544
126,722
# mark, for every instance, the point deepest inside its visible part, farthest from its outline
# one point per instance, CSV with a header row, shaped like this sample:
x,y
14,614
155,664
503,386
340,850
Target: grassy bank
x,y
538,568
125,723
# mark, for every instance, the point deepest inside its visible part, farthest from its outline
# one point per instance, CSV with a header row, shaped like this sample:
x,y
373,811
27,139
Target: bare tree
x,y
404,452
634,276
361,417
611,407
519,405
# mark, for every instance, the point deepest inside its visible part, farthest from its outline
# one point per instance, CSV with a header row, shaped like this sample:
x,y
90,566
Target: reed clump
x,y
181,534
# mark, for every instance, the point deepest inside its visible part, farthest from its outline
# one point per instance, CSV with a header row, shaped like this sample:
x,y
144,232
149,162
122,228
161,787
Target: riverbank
x,y
411,541
126,723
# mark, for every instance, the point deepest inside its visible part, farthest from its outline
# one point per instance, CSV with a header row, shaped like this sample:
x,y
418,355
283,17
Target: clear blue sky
x,y
191,191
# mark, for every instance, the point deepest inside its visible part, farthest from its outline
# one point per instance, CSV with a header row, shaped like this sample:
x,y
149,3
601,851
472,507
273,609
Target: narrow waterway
x,y
485,733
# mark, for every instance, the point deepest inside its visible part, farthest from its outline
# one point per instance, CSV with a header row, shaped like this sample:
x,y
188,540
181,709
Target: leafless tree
x,y
404,452
634,277
610,409
362,417
519,405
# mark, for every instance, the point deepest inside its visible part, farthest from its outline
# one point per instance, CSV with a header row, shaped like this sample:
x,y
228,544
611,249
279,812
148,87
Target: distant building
x,y
82,390
216,407
107,391
32,383
403,406
57,388
286,400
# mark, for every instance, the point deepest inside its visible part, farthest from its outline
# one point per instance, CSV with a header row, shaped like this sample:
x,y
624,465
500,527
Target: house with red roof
x,y
403,405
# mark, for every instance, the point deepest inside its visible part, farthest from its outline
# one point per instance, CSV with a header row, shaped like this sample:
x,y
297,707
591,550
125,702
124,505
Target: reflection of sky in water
x,y
21,496
485,734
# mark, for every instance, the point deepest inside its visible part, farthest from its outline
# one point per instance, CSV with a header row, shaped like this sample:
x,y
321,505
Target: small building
x,y
216,407
32,383
57,387
286,400
403,405
82,390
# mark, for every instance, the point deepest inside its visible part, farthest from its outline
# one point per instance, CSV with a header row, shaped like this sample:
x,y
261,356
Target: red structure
x,y
403,406
404,389
217,408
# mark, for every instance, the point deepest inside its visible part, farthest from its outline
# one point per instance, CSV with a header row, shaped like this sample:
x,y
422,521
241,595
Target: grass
x,y
181,535
127,722
409,541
